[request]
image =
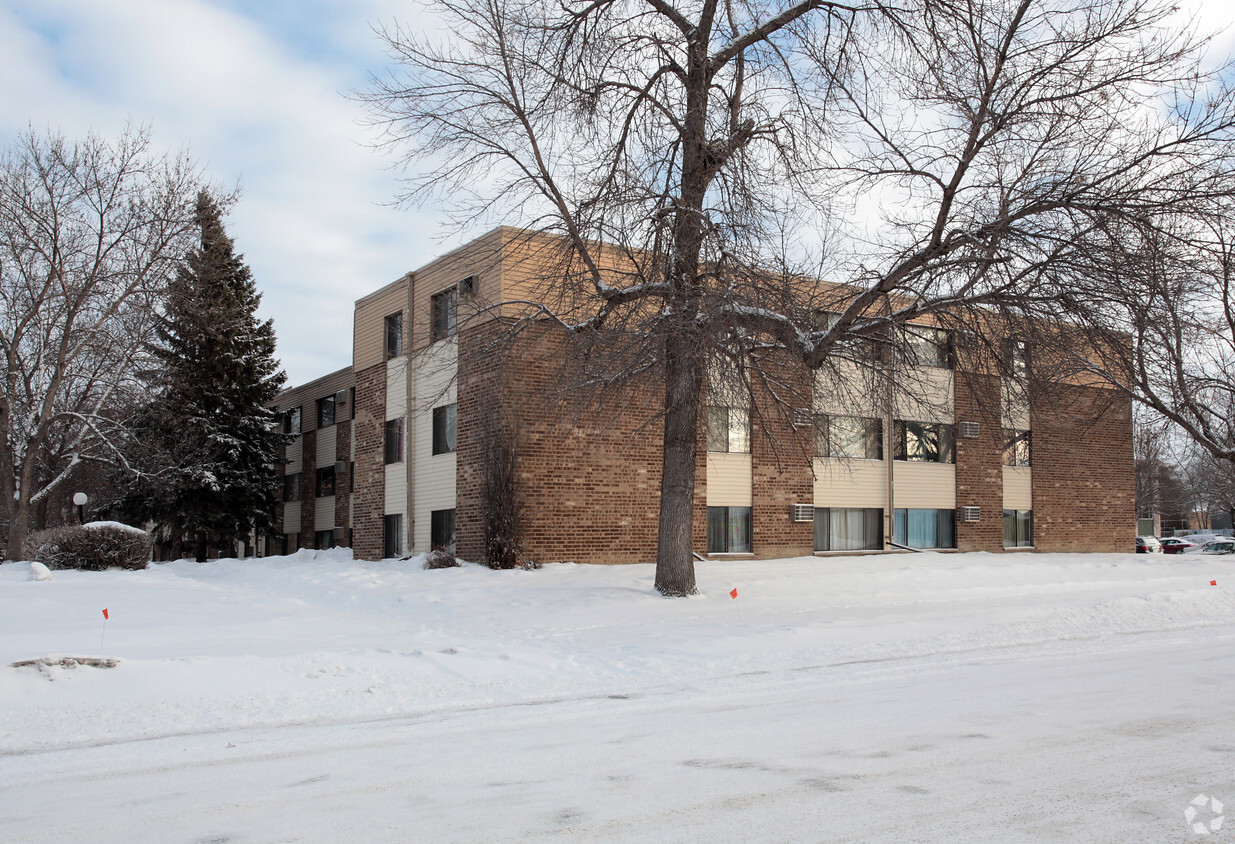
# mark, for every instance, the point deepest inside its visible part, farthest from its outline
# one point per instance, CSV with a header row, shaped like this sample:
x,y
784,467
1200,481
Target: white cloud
x,y
255,102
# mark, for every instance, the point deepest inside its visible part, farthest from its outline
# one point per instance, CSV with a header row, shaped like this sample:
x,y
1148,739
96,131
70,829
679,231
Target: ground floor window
x,y
1017,528
728,530
442,529
848,528
323,539
924,528
392,531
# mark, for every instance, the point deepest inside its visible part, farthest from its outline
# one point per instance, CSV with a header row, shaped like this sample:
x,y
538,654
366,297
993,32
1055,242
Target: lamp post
x,y
80,499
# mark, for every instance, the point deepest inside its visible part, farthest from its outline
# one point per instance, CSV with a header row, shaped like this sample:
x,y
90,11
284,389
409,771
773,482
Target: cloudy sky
x,y
256,90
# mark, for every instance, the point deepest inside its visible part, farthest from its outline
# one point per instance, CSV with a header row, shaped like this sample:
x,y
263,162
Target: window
x,y
858,347
923,442
445,428
925,346
323,539
325,481
848,529
394,335
467,287
1015,448
445,311
848,436
728,530
325,412
924,528
1017,528
392,533
1015,359
291,421
442,529
394,441
728,429
291,487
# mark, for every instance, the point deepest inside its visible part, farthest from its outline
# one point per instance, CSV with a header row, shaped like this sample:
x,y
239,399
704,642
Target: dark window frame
x,y
444,312
1017,447
395,441
1018,528
931,442
446,428
394,335
325,482
872,537
291,487
722,538
728,429
291,420
945,523
872,436
442,529
392,536
326,410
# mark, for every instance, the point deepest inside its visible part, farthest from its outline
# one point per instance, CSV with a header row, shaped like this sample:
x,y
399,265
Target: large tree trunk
x,y
675,565
19,529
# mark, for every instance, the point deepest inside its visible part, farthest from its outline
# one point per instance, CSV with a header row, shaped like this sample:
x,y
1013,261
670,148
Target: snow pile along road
x,y
779,701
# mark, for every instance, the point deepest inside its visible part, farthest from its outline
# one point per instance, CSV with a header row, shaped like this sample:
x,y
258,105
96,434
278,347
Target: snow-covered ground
x,y
927,697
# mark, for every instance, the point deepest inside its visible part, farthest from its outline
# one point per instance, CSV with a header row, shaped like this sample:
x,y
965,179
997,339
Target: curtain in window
x,y
848,529
924,528
728,530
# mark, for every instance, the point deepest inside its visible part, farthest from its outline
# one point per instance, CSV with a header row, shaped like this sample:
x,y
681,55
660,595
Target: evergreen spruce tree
x,y
206,447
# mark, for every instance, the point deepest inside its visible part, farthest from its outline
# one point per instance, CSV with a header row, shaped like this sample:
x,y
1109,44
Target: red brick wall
x,y
588,477
1083,489
979,463
308,489
369,498
781,460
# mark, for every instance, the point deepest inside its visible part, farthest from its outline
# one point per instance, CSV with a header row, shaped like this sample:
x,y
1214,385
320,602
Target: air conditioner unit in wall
x,y
800,417
802,512
968,430
971,513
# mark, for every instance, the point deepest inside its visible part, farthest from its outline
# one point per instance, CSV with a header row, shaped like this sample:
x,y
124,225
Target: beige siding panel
x,y
327,442
396,492
291,515
433,475
323,513
931,485
925,395
851,483
396,388
481,258
1017,488
729,480
848,390
295,450
369,325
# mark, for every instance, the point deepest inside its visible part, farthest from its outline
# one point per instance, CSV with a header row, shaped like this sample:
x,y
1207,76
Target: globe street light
x,y
80,499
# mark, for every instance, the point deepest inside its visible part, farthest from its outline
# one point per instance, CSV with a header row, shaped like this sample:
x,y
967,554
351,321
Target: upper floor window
x,y
291,487
923,442
394,441
445,428
848,436
325,412
291,421
1015,359
445,313
925,346
728,429
325,481
394,335
1015,447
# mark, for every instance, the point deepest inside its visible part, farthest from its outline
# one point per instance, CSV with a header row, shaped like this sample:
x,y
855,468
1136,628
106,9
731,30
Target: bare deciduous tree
x,y
705,163
90,232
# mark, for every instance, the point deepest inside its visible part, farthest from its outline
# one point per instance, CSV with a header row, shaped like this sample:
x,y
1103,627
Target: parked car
x,y
1225,545
1148,545
1175,545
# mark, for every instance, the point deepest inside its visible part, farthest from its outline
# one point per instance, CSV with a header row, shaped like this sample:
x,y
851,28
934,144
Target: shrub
x,y
94,547
440,558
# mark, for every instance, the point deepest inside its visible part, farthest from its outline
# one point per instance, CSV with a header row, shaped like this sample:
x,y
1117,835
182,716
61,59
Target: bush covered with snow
x,y
94,547
440,558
